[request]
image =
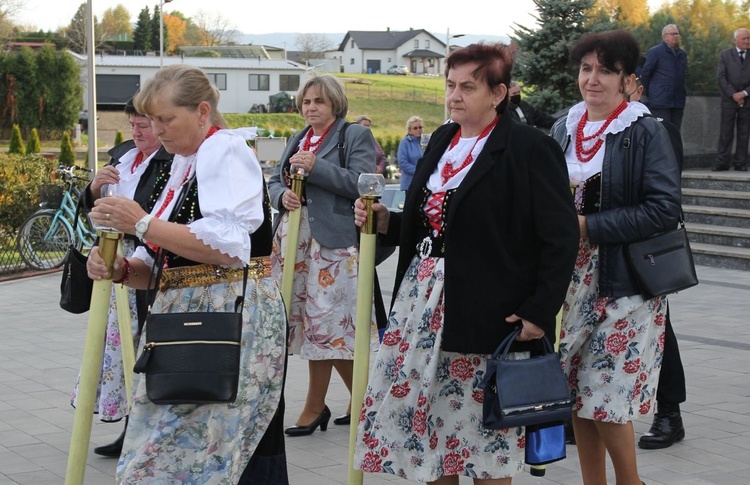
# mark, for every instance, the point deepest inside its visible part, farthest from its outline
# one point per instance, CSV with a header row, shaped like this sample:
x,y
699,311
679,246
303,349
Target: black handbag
x,y
663,263
193,358
524,392
75,285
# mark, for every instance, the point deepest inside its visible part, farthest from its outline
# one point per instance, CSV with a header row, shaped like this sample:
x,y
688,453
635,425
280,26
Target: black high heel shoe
x,y
321,420
345,419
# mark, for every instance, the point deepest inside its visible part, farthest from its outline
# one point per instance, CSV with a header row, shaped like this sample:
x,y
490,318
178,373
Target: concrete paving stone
x,y
714,340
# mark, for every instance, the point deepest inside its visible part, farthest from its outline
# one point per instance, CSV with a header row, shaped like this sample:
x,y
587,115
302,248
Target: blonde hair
x,y
331,90
412,120
185,86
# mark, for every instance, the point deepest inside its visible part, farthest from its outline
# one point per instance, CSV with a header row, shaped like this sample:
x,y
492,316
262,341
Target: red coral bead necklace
x,y
586,154
448,169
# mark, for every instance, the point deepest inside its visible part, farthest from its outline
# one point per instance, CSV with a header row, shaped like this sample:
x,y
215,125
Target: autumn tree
x,y
8,11
313,46
627,13
142,32
176,27
116,22
214,28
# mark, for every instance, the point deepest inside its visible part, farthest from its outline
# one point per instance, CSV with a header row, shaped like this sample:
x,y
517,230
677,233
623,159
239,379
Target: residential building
x,y
375,52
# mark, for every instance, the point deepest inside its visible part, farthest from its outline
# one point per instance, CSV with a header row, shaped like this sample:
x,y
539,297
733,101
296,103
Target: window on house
x,y
416,43
389,60
351,61
289,82
218,80
352,46
427,44
259,82
431,63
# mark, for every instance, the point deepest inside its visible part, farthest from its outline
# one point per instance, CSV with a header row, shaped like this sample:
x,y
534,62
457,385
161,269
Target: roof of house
x,y
238,51
425,53
202,62
380,40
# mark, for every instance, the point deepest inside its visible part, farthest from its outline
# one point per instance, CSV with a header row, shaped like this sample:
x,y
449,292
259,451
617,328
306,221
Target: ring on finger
x,y
107,216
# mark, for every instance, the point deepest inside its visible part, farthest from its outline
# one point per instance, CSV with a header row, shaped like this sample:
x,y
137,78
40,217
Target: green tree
x,y
142,32
22,67
33,145
67,155
118,138
155,31
16,141
542,59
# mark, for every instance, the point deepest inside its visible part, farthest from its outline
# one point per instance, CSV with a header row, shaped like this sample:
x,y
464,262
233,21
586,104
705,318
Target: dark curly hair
x,y
494,64
617,50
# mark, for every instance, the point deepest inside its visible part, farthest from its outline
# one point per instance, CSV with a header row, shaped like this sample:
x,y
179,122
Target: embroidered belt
x,y
211,274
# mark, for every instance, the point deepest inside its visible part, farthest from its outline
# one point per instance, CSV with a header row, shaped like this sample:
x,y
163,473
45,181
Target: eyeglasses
x,y
416,127
673,33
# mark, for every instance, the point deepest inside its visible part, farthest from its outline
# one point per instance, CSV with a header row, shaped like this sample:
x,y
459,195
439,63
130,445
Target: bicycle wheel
x,y
43,243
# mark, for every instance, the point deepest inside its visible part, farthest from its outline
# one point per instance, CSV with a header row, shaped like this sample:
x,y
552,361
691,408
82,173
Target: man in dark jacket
x,y
522,111
663,75
733,76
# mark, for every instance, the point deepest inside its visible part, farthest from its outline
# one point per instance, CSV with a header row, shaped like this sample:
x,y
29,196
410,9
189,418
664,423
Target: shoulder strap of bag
x,y
627,166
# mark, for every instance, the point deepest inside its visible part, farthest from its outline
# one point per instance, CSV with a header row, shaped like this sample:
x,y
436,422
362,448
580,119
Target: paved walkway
x,y
40,352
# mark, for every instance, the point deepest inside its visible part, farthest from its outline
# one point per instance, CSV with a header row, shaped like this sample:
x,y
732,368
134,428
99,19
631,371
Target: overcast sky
x,y
325,16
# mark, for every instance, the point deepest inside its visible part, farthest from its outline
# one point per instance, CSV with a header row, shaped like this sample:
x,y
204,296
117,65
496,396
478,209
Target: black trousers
x,y
671,388
673,115
732,115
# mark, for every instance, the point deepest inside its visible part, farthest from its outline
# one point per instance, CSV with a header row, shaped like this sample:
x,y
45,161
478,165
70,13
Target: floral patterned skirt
x,y
421,418
324,295
211,444
111,397
611,349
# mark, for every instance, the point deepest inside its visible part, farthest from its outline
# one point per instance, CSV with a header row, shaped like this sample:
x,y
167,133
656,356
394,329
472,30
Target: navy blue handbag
x,y
524,392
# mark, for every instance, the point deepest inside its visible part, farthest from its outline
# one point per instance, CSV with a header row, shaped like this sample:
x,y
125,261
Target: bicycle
x,y
44,237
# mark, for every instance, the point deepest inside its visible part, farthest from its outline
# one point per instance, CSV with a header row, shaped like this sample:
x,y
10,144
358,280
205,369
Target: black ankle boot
x,y
666,430
114,449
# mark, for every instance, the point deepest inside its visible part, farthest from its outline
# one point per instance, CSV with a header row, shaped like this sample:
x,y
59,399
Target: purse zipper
x,y
151,345
142,363
651,257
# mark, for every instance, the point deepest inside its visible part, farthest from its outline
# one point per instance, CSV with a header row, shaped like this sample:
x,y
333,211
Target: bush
x,y
33,145
16,142
67,156
119,138
20,178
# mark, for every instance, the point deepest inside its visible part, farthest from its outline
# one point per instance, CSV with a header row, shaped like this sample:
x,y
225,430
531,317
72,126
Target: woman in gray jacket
x,y
324,292
627,187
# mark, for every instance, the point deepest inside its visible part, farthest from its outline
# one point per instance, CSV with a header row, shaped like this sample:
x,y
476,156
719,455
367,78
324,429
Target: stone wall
x,y
700,130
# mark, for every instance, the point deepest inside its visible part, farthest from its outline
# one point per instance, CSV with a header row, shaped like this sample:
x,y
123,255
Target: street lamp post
x,y
448,38
161,32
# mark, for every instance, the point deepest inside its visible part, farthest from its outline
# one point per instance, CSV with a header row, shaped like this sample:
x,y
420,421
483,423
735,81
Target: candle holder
x,y
370,187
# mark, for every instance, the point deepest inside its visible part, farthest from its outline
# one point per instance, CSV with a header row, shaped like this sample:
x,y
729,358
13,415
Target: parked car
x,y
398,70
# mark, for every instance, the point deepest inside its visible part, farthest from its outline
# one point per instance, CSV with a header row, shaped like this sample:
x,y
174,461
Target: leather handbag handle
x,y
504,346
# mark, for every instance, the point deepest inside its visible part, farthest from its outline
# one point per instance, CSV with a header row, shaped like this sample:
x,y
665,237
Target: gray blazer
x,y
330,190
733,76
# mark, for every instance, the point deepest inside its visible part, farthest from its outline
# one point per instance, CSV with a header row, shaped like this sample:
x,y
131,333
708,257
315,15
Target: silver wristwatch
x,y
142,226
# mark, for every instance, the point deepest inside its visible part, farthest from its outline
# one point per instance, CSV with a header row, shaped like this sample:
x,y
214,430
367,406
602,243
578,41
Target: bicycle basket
x,y
50,196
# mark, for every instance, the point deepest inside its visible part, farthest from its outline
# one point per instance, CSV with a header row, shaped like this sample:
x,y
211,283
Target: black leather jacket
x,y
647,205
